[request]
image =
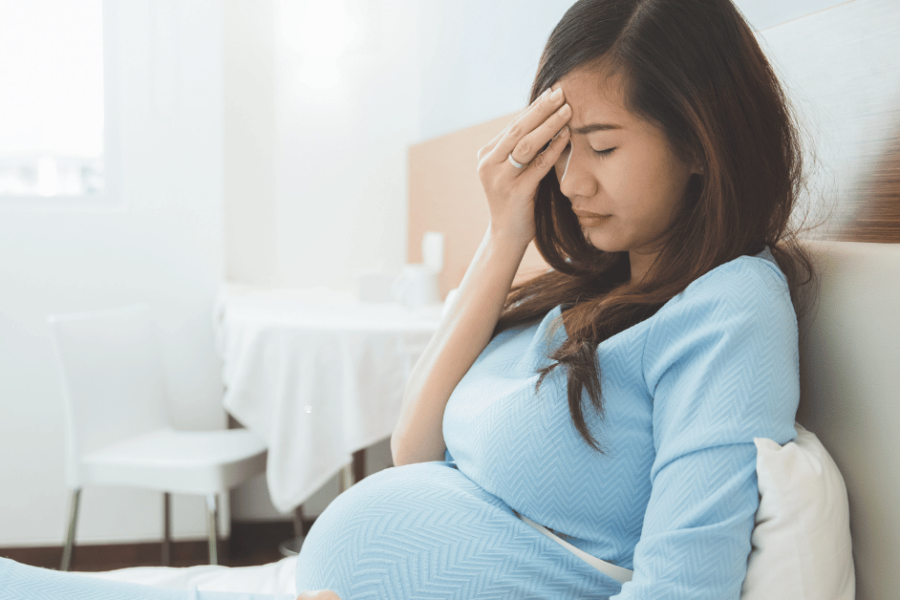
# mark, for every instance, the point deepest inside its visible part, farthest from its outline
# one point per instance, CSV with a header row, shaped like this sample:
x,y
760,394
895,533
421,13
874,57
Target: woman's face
x,y
624,180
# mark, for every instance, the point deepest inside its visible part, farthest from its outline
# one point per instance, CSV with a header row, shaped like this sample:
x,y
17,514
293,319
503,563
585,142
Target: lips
x,y
588,218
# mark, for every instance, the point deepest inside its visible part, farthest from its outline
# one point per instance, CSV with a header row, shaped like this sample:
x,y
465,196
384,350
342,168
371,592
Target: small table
x,y
317,375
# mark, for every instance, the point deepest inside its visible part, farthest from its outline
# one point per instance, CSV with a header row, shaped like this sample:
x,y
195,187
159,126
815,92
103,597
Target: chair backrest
x,y
850,396
112,379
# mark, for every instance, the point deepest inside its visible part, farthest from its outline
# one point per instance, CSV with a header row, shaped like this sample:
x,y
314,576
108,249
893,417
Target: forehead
x,y
596,96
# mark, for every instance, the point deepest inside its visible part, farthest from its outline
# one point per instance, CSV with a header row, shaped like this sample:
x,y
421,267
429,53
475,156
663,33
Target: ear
x,y
694,157
698,165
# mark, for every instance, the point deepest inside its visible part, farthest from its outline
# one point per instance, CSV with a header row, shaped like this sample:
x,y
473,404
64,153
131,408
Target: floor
x,y
251,543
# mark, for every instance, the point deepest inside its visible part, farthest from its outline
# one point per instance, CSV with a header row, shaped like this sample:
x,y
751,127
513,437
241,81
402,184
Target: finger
x,y
493,143
531,145
544,161
490,145
527,122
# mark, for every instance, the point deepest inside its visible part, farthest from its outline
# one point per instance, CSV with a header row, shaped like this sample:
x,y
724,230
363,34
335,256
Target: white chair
x,y
117,427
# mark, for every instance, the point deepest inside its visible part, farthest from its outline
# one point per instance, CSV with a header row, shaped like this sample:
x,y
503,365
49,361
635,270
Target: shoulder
x,y
736,314
725,351
746,289
747,277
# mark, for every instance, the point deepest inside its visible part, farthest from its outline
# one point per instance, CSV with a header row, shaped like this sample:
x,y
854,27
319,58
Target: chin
x,y
601,243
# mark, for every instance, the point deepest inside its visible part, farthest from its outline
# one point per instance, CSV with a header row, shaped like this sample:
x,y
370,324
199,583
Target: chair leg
x,y
212,527
167,530
70,534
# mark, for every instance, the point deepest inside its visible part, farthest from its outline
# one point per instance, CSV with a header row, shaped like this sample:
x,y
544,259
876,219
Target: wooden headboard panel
x,y
445,195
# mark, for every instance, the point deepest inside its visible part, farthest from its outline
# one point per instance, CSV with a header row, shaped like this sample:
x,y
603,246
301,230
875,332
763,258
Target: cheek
x,y
664,198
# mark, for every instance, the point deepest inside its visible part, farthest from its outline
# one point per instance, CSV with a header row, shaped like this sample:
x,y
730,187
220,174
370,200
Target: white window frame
x,y
111,197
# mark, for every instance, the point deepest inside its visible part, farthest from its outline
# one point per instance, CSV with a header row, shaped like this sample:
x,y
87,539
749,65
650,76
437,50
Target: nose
x,y
575,176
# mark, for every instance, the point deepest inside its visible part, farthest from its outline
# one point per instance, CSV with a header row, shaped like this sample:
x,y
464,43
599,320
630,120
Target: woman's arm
x,y
467,328
462,336
722,362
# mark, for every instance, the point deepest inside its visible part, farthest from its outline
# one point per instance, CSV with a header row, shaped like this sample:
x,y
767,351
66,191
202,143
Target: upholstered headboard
x,y
850,346
850,396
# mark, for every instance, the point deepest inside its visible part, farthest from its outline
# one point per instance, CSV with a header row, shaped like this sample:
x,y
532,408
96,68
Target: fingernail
x,y
557,94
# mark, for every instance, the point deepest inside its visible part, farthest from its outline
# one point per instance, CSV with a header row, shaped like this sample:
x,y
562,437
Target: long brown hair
x,y
695,69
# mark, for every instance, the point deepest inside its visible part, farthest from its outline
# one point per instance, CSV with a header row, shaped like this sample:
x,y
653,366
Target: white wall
x,y
423,69
478,59
341,149
249,135
163,244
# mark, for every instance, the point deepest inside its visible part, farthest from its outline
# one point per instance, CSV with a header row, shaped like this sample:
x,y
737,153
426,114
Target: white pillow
x,y
801,541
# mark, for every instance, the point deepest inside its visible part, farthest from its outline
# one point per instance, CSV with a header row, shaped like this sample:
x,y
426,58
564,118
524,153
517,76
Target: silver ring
x,y
514,162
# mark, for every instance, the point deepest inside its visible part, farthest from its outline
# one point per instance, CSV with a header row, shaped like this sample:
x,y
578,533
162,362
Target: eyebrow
x,y
596,127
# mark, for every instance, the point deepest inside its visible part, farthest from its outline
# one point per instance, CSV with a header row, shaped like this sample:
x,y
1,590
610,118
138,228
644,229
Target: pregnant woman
x,y
611,402
589,434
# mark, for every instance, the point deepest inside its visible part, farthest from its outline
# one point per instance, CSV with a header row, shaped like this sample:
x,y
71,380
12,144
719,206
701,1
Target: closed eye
x,y
601,153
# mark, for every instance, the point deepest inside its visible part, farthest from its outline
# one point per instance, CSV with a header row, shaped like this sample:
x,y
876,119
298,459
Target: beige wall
x,y
445,195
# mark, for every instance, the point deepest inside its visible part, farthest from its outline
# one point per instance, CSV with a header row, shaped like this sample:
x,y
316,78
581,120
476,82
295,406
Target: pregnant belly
x,y
427,531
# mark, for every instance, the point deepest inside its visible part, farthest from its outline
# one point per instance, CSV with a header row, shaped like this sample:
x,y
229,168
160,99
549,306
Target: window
x,y
54,117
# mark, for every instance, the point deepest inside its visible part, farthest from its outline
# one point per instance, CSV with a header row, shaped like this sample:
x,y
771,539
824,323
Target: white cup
x,y
416,286
433,250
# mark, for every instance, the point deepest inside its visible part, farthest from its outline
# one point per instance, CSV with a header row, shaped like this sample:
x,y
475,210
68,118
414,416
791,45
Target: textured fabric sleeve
x,y
722,364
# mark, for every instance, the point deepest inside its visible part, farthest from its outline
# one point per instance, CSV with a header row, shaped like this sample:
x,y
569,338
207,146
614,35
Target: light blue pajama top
x,y
673,497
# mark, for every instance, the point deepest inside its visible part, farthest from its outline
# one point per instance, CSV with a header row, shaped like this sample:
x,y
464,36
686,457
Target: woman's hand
x,y
511,190
318,595
469,324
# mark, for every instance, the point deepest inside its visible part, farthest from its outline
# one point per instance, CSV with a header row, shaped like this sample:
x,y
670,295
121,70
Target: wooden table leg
x,y
292,547
297,518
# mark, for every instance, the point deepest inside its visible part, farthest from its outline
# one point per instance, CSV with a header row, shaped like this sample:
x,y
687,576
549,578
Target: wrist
x,y
508,239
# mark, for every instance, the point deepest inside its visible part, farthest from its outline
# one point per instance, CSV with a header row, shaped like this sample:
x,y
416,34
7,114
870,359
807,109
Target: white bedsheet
x,y
273,578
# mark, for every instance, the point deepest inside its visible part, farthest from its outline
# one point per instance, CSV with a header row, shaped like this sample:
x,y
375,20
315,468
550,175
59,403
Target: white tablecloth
x,y
317,375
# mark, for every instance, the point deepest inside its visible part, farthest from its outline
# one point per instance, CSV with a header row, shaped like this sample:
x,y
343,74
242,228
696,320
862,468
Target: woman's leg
x,y
23,582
